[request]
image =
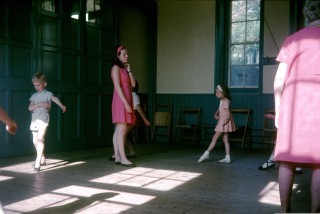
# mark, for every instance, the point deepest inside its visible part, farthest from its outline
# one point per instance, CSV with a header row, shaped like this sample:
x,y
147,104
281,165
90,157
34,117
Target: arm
x,y
11,125
33,106
228,116
132,79
115,74
143,115
58,102
216,115
279,83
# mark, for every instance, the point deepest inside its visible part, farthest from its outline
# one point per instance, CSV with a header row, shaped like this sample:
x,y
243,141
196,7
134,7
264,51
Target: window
x,y
244,47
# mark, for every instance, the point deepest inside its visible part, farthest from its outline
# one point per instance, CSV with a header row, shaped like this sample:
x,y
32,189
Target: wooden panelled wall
x,y
75,55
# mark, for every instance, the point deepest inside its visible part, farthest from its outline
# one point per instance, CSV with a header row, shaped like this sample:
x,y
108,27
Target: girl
x,y
225,124
122,103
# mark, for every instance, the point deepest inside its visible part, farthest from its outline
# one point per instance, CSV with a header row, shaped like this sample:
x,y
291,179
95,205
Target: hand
x,y
64,109
127,65
269,116
128,108
11,127
45,105
216,117
147,123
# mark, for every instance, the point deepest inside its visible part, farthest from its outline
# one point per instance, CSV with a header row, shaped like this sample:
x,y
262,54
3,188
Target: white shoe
x,y
225,160
204,156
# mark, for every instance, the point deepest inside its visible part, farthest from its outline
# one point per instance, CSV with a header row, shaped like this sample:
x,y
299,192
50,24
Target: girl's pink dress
x,y
230,126
119,113
298,137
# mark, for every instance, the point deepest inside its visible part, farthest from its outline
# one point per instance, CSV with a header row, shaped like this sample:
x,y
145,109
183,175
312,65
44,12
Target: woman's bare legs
x,y
118,143
285,179
315,190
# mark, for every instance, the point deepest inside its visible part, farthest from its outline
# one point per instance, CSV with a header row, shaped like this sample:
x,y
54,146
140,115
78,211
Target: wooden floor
x,y
167,179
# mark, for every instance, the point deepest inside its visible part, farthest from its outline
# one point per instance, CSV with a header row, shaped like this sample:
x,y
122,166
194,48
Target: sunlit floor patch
x,y
79,199
28,167
4,178
148,178
270,193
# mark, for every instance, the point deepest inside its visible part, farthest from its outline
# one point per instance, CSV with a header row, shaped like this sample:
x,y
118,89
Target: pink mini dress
x,y
222,125
119,112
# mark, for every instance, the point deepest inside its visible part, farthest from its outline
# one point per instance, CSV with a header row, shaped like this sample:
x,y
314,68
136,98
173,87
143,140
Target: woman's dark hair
x,y
311,10
116,60
225,91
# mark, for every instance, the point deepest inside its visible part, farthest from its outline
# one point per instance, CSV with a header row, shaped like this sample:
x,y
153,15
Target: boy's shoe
x,y
204,156
267,165
225,160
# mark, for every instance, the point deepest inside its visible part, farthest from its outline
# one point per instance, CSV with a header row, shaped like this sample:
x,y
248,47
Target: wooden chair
x,y
187,126
162,121
269,132
242,117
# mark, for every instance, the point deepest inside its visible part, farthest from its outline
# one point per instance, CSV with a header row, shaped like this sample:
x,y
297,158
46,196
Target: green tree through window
x,y
244,46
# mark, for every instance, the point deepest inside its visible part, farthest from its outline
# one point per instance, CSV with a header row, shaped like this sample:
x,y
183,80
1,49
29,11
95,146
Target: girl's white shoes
x,y
204,156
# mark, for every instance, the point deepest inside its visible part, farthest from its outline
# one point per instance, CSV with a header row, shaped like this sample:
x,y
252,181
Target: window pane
x,y
49,5
253,10
238,32
71,8
252,76
252,54
238,11
236,76
93,13
253,31
237,54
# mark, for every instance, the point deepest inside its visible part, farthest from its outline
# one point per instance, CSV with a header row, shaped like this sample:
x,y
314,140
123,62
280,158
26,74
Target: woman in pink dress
x,y
122,103
297,106
224,126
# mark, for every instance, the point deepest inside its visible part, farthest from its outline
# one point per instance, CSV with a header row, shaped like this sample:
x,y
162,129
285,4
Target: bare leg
x,y
211,146
38,141
226,143
128,142
286,178
121,134
214,141
315,190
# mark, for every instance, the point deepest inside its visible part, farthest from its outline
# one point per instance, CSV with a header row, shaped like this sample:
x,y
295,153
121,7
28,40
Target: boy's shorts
x,y
39,120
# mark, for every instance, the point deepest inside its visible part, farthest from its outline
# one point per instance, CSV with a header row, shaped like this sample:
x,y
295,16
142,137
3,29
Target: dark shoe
x,y
128,165
267,165
298,170
112,159
117,162
131,156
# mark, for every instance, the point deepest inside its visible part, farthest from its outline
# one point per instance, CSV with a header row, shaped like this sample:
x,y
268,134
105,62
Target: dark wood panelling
x,y
21,62
71,32
93,70
93,39
21,31
70,68
50,31
3,60
50,64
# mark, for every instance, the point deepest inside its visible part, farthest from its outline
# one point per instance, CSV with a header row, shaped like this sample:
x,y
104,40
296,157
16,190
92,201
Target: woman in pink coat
x,y
297,106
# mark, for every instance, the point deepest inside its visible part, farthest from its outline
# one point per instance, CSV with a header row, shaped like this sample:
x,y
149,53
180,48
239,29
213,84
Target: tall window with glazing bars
x,y
244,45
